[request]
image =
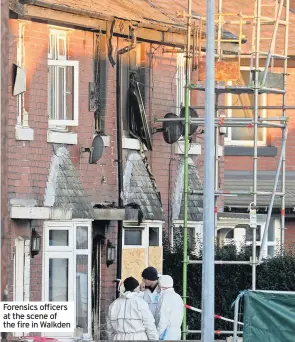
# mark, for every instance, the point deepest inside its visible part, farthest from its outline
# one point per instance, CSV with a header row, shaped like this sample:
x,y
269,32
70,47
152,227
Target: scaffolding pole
x,y
208,269
185,164
212,122
283,185
255,137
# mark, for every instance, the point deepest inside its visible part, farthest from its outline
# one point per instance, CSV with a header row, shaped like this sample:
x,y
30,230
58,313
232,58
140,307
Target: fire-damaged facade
x,y
94,182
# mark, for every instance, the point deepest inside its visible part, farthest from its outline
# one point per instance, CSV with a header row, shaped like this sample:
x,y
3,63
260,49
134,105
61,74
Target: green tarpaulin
x,y
269,316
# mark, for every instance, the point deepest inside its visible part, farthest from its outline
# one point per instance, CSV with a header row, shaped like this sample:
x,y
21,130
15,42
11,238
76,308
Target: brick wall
x,y
290,233
29,162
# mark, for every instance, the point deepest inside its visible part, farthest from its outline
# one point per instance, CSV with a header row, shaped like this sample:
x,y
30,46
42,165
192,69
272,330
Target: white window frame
x,y
229,101
75,65
160,227
233,223
145,225
143,236
20,63
58,35
196,225
180,82
71,253
23,132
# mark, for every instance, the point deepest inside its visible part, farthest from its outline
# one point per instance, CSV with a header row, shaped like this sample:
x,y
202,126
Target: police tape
x,y
215,316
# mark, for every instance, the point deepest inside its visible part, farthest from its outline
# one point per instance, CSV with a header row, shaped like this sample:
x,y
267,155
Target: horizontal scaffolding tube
x,y
226,121
223,262
248,107
216,332
236,193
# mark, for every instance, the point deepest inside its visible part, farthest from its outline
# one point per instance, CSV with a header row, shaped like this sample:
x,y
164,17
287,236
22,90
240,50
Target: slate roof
x,y
138,188
64,189
243,181
195,202
148,12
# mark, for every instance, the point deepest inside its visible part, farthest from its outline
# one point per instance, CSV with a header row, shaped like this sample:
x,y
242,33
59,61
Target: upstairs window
x,y
243,136
180,83
63,82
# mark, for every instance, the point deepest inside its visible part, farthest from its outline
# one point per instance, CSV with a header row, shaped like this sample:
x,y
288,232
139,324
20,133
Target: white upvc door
x,y
59,281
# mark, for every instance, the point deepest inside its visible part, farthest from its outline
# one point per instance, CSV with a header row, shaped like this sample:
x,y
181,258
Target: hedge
x,y
277,273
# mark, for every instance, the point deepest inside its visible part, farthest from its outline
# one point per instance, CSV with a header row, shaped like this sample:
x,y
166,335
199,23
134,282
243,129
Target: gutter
x,y
119,146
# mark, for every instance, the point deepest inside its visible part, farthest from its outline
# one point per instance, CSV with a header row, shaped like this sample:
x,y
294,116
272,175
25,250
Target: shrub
x,y
276,274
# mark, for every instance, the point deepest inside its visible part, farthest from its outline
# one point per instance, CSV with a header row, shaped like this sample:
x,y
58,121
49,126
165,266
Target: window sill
x,y
194,148
262,151
131,144
24,133
68,138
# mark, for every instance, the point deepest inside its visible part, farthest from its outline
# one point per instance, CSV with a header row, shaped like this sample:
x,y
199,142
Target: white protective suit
x,y
152,298
129,318
169,315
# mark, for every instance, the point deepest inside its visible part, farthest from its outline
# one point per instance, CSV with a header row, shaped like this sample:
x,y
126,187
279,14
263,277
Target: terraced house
x,y
93,180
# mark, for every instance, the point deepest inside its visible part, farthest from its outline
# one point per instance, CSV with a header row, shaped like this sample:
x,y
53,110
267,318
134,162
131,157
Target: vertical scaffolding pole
x,y
256,104
208,269
185,164
283,184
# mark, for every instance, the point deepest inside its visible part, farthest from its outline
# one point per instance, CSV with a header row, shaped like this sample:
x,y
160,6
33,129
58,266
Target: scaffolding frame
x,y
256,86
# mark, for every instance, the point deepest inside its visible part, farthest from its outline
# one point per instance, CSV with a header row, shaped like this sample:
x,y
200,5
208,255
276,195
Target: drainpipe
x,y
119,146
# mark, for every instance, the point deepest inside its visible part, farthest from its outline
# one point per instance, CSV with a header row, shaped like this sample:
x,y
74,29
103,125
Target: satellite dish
x,y
192,114
96,150
172,130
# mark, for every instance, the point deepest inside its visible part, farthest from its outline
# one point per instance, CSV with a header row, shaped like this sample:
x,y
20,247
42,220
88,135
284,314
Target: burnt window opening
x,y
98,91
138,126
133,95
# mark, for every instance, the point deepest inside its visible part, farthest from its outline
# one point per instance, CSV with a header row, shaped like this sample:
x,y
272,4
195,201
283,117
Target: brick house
x,y
64,96
236,165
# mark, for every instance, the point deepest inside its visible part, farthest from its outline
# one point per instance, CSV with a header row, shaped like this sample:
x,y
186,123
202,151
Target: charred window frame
x,y
133,70
97,91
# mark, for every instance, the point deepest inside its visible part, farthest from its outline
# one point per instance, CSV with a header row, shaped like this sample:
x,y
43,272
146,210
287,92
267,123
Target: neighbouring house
x,y
236,144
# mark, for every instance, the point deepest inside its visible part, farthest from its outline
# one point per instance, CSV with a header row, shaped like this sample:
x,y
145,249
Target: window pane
x,y
82,238
153,236
230,234
82,292
51,92
245,133
58,237
51,47
133,237
69,93
61,47
249,233
271,251
271,231
58,280
61,93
